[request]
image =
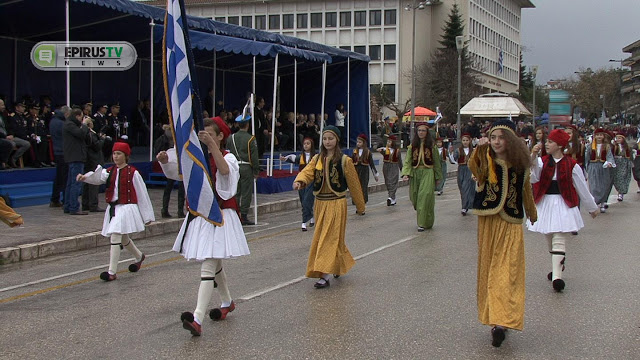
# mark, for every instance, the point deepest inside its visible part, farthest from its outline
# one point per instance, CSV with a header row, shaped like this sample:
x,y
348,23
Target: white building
x,y
383,30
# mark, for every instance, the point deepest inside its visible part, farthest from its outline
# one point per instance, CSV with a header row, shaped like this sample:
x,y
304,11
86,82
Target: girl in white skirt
x,y
129,207
559,187
201,240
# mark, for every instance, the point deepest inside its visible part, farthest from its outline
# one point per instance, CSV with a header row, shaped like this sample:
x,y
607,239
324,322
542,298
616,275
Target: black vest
x,y
505,197
337,179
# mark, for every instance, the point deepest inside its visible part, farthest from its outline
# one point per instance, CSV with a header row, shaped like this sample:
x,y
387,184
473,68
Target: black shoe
x,y
97,210
497,335
12,164
55,204
166,215
321,285
558,285
244,220
574,233
181,214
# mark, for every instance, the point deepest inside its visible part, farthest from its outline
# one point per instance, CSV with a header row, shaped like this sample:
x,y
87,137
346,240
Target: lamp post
x,y
534,71
415,5
459,47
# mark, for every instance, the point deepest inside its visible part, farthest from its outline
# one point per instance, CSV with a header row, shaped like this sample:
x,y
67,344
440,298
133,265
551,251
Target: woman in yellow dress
x,y
330,173
500,165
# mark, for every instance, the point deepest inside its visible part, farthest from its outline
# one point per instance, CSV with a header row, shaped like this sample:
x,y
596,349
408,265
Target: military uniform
x,y
243,145
17,126
39,138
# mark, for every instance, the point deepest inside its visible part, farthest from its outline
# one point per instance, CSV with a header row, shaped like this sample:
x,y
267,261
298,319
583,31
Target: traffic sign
x,y
559,96
560,109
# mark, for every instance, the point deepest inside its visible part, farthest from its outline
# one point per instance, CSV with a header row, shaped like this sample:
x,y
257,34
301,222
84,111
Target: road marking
x,y
300,278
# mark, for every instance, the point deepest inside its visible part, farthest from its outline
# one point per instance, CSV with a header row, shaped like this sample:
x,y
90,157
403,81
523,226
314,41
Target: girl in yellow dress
x,y
500,165
330,173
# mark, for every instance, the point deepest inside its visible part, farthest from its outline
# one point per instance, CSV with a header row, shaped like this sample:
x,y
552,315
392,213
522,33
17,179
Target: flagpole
x,y
151,77
253,132
273,115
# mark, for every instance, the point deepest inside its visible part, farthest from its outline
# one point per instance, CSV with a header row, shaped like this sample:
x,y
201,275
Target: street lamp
x,y
459,47
534,72
413,7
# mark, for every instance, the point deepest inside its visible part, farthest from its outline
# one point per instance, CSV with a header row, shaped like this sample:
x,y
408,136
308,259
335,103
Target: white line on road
x,y
300,278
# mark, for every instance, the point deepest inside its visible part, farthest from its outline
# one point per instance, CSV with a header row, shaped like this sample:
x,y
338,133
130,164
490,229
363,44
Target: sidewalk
x,y
48,231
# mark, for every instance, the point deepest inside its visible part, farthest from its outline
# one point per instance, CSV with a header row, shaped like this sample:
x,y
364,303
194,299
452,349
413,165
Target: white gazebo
x,y
494,106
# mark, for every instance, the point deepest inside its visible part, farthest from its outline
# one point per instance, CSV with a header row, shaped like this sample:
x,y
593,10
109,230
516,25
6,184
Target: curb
x,y
10,255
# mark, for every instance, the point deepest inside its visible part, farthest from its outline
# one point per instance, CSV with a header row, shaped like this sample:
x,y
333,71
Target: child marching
x,y
363,160
503,197
423,170
599,161
200,239
622,170
575,149
559,188
443,154
129,207
329,253
466,185
391,168
305,194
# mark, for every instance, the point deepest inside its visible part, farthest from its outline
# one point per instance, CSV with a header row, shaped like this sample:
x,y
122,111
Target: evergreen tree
x,y
436,79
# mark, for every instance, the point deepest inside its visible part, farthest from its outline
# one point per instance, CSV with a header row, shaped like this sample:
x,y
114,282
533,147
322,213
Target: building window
x,y
374,52
274,22
316,20
331,19
375,17
360,18
389,17
389,52
360,49
287,21
346,47
247,21
261,22
302,21
389,90
220,18
235,20
345,18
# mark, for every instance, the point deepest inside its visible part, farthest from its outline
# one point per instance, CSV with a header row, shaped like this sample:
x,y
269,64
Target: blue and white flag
x,y
500,60
192,162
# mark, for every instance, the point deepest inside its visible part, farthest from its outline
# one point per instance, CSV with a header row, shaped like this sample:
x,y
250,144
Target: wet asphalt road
x,y
410,296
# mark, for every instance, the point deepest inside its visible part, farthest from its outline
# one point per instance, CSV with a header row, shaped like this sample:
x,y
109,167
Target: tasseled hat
x,y
560,137
122,147
332,129
363,137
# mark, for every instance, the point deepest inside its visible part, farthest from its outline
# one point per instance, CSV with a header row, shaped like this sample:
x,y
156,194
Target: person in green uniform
x,y
243,145
423,170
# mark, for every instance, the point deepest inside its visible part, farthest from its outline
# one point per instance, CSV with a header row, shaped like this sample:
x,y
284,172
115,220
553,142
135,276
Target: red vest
x,y
224,204
126,190
564,176
626,152
444,154
357,160
462,158
415,154
392,158
603,153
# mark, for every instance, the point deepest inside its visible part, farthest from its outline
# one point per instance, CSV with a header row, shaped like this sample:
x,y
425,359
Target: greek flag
x,y
500,59
178,85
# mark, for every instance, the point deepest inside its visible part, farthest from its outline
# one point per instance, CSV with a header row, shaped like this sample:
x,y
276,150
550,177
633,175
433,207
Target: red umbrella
x,y
421,111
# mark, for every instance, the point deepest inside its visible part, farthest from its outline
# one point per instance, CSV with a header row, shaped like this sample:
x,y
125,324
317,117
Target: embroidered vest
x,y
303,160
443,156
425,159
337,180
390,158
357,160
224,204
624,152
505,197
126,190
564,177
603,153
462,157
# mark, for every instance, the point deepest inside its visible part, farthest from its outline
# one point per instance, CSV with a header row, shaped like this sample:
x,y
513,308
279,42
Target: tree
x,y
525,91
436,79
589,87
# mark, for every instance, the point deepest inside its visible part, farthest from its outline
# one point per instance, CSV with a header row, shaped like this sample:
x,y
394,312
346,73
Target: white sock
x,y
207,273
557,250
326,277
313,221
556,261
132,249
114,256
223,288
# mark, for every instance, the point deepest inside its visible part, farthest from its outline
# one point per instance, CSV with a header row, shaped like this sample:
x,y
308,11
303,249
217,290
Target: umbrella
x,y
421,111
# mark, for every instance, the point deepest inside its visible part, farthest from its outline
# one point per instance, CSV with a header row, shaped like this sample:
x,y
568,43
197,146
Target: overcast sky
x,y
562,36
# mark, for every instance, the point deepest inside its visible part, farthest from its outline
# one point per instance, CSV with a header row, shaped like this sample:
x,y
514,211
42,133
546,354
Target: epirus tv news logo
x,y
83,55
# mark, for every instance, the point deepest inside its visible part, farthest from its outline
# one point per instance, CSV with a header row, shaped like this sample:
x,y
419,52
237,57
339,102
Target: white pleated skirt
x,y
127,220
204,240
555,216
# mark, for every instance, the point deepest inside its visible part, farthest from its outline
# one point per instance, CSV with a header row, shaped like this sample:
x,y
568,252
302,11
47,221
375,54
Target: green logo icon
x,y
45,55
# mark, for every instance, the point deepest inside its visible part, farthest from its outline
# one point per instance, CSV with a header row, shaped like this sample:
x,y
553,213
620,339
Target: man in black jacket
x,y
60,181
94,158
74,136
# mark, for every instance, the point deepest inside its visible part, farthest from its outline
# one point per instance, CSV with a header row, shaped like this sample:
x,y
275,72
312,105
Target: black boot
x,y
244,220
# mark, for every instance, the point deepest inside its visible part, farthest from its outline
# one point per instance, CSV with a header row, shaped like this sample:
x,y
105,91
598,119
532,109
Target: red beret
x,y
467,135
560,137
224,128
122,147
363,137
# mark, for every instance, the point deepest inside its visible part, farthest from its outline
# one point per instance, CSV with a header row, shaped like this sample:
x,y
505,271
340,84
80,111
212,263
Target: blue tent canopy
x,y
23,23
